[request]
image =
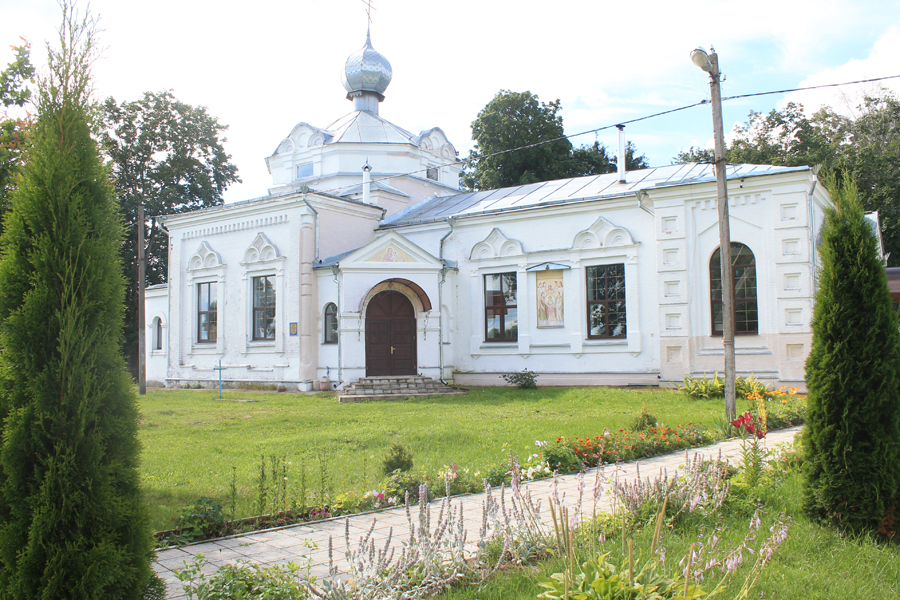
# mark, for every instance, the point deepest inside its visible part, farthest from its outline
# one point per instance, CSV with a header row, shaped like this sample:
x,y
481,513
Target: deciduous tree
x,y
865,146
72,518
14,92
518,120
169,156
513,120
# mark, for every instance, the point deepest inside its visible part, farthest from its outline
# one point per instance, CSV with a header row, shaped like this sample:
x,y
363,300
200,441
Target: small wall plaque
x,y
293,329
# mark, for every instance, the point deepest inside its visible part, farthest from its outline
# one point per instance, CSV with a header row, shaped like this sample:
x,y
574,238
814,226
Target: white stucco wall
x,y
156,312
673,233
664,240
232,245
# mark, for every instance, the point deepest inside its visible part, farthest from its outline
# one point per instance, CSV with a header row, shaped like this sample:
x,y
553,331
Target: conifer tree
x,y
72,519
852,373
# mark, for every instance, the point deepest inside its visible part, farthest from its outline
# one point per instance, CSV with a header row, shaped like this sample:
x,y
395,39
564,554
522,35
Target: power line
x,y
812,87
605,127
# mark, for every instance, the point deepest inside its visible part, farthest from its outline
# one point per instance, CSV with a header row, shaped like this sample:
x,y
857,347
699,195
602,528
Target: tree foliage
x,y
72,518
865,147
512,120
518,119
14,92
169,156
852,373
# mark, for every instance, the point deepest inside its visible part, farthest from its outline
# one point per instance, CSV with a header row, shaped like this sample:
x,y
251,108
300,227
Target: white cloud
x,y
881,62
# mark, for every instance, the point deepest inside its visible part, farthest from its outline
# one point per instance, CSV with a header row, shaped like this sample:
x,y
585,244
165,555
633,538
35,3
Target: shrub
x,y
701,387
73,520
243,580
498,476
204,519
643,419
401,482
744,386
526,380
398,458
156,589
562,458
853,437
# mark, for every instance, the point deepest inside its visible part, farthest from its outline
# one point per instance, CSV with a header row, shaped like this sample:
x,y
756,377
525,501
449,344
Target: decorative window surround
x,y
262,258
204,266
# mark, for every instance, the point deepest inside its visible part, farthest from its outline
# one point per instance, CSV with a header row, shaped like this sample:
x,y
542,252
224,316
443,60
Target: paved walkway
x,y
291,543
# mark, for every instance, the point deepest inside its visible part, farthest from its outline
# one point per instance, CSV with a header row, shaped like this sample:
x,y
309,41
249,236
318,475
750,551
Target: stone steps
x,y
385,388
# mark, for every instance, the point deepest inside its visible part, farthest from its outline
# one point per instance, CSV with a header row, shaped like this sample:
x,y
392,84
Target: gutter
x,y
335,269
812,233
641,195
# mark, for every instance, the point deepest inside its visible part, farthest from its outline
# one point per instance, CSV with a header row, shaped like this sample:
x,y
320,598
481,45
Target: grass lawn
x,y
193,442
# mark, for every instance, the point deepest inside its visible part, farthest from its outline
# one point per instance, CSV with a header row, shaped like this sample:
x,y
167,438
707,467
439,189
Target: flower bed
x,y
783,407
625,445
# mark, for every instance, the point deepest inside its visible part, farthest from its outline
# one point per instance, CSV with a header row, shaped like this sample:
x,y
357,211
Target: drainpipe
x,y
641,195
620,161
450,221
812,231
334,271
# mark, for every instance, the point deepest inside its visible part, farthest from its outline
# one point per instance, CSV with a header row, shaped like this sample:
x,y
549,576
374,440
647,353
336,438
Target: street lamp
x,y
710,64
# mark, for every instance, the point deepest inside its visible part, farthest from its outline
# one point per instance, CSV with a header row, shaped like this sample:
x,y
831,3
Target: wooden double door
x,y
390,335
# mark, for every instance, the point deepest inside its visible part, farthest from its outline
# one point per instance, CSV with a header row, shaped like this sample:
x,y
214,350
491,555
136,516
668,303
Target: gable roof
x,y
562,191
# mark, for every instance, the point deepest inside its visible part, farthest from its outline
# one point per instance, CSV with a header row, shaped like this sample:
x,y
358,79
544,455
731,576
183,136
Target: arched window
x,y
157,334
743,268
331,323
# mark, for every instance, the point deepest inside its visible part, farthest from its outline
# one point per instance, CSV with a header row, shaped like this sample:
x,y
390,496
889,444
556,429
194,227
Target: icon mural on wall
x,y
391,254
550,299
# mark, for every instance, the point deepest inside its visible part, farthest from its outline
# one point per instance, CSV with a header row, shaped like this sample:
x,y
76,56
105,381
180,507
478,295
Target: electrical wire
x,y
473,159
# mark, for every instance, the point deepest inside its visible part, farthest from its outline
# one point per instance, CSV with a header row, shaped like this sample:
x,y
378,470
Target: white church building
x,y
366,259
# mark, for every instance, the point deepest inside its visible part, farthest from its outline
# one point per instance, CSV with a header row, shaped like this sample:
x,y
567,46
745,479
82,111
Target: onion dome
x,y
366,71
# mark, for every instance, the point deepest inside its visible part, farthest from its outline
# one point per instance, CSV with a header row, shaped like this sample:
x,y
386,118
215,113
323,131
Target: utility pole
x,y
710,64
142,329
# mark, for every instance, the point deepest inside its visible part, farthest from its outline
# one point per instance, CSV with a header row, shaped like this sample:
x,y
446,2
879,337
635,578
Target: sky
x,y
262,67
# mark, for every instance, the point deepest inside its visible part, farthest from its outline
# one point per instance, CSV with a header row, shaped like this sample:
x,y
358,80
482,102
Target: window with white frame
x,y
156,329
606,313
501,322
207,312
264,307
331,323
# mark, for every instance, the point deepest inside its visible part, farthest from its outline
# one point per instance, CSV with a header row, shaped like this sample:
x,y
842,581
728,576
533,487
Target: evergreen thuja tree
x,y
72,518
852,373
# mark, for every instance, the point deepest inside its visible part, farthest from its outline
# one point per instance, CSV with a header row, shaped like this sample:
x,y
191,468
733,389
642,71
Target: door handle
x,y
392,349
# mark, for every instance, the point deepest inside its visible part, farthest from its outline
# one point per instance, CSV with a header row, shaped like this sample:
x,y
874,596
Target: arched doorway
x,y
390,335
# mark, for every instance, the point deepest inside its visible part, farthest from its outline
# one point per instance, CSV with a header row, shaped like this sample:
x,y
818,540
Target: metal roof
x,y
362,126
564,191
